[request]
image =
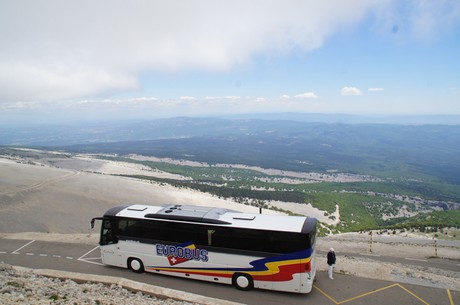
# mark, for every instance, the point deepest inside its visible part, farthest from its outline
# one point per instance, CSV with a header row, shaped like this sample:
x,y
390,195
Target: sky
x,y
75,60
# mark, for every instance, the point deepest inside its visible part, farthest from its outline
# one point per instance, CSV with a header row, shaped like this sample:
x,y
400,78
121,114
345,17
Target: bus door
x,y
109,245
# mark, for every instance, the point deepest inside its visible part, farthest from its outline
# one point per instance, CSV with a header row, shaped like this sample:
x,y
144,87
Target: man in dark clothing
x,y
331,262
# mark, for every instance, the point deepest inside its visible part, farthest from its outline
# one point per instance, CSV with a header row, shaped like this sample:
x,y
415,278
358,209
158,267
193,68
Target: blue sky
x,y
149,59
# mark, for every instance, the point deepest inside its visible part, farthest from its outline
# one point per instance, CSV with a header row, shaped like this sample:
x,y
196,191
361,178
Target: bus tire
x,y
135,265
242,281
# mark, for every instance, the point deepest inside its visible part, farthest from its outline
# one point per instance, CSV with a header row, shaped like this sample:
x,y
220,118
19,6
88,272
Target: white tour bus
x,y
246,250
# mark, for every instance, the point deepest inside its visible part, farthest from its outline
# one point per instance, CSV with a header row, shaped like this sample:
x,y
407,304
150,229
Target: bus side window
x,y
210,232
312,236
220,237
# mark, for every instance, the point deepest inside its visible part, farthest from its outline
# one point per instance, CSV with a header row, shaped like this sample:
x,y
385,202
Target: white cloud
x,y
230,97
143,99
50,52
375,89
285,96
306,95
187,98
350,91
54,50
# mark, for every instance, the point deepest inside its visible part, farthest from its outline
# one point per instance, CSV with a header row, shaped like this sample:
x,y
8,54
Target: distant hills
x,y
412,168
27,133
355,119
384,150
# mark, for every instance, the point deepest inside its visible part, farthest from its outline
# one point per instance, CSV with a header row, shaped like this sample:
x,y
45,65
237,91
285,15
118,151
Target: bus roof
x,y
218,216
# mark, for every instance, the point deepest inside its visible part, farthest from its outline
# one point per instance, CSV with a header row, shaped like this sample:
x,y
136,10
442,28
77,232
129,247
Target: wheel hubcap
x,y
135,265
242,281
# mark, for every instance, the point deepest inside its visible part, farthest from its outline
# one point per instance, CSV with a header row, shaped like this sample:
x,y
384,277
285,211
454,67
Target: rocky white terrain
x,y
23,286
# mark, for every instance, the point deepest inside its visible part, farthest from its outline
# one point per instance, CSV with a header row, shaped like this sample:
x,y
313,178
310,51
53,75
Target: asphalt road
x,y
344,289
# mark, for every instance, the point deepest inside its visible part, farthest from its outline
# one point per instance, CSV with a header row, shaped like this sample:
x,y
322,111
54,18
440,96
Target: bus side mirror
x,y
92,223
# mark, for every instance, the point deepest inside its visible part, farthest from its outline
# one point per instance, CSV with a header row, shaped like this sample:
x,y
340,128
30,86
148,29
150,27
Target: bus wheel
x,y
136,265
242,281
